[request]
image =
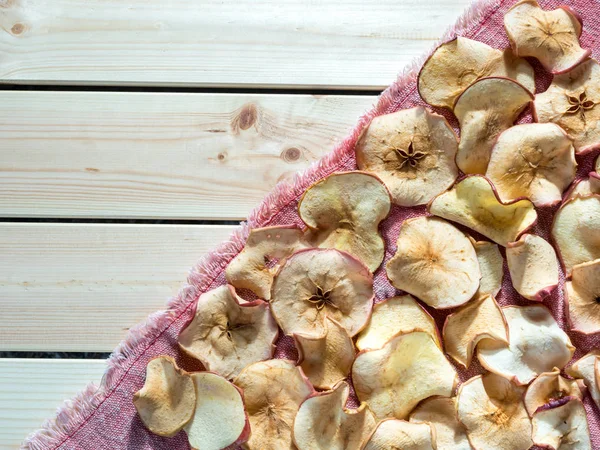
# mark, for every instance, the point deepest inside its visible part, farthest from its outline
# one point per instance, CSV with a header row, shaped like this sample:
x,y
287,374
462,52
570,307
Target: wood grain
x,y
159,155
32,389
270,43
79,287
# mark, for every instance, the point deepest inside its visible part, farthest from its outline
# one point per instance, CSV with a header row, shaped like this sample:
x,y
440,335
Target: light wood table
x,y
118,114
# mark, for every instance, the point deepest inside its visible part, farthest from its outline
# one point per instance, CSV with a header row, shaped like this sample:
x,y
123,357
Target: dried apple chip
x,y
582,295
479,319
484,110
585,368
562,426
252,268
550,36
343,211
412,151
549,387
314,284
408,369
462,61
220,418
533,266
492,410
441,414
322,423
585,187
491,266
576,231
227,334
536,345
394,316
473,202
572,102
326,359
273,391
435,262
400,434
166,402
533,160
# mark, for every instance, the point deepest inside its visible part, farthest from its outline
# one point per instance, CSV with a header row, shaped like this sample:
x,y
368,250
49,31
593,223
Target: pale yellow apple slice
x,y
550,36
576,231
394,316
460,62
584,187
473,202
343,211
392,380
435,262
400,434
273,391
484,110
479,319
585,369
533,160
491,266
167,400
582,295
226,333
412,151
549,387
220,419
441,414
326,359
533,266
536,345
254,266
492,410
562,426
314,284
323,423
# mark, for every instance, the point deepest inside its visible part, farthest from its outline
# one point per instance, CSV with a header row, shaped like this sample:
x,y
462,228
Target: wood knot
x,y
245,118
291,154
221,156
17,28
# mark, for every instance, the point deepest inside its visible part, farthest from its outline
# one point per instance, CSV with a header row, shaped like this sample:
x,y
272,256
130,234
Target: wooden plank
x,y
32,389
78,287
293,43
159,155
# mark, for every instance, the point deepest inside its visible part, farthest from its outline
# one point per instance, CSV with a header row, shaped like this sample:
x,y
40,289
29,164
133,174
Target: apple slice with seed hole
x,y
549,387
562,425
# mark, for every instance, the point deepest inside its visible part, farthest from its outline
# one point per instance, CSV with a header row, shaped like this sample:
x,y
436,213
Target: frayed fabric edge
x,y
73,414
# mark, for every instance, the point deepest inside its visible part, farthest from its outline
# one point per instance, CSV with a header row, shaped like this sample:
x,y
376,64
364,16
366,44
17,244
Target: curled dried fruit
x,y
166,402
322,423
585,368
533,160
435,262
533,266
484,110
394,316
549,387
573,102
343,211
253,267
492,410
217,402
326,359
536,344
491,266
473,202
227,333
563,426
314,284
582,295
441,414
550,36
584,187
479,319
400,434
460,62
576,231
412,151
392,380
273,392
